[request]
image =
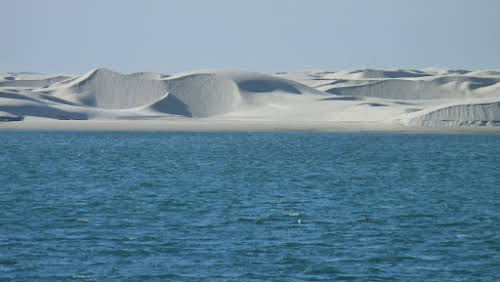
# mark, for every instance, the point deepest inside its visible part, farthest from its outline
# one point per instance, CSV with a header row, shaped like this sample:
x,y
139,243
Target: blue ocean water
x,y
249,206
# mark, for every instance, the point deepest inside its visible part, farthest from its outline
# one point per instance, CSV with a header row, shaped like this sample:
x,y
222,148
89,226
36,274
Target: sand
x,y
429,100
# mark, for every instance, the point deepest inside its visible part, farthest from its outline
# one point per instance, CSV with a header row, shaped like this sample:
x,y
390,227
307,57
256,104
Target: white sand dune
x,y
409,89
9,117
425,98
103,88
29,81
481,114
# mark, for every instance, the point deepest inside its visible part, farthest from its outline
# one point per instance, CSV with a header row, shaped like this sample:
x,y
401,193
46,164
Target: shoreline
x,y
212,125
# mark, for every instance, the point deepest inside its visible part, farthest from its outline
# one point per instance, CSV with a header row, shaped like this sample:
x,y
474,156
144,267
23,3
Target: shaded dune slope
x,y
211,93
106,89
196,94
373,73
23,103
14,81
404,89
460,115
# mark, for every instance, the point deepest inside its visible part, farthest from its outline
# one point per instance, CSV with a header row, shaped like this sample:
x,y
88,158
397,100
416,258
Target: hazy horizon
x,y
264,36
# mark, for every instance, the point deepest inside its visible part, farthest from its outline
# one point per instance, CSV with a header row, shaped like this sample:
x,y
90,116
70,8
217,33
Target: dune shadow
x,y
333,91
374,104
343,98
42,111
148,117
261,86
331,83
412,110
16,96
171,105
11,118
474,82
403,103
374,73
56,100
477,83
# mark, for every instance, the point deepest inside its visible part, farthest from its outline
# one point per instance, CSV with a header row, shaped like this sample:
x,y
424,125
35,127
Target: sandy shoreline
x,y
201,125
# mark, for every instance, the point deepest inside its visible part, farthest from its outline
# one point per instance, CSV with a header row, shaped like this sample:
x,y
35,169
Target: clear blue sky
x,y
63,36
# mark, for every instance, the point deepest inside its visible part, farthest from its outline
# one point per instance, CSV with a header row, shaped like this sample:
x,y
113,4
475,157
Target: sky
x,y
61,36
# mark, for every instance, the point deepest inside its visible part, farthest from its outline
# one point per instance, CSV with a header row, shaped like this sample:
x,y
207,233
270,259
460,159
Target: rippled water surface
x,y
249,206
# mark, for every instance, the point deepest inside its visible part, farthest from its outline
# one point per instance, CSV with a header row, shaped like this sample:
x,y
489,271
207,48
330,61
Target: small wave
x,y
77,276
7,262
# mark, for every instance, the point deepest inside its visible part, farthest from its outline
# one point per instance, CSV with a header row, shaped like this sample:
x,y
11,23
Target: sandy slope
x,y
323,100
431,97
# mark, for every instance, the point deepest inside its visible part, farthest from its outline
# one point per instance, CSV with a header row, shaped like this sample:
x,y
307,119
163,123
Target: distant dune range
x,y
403,98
